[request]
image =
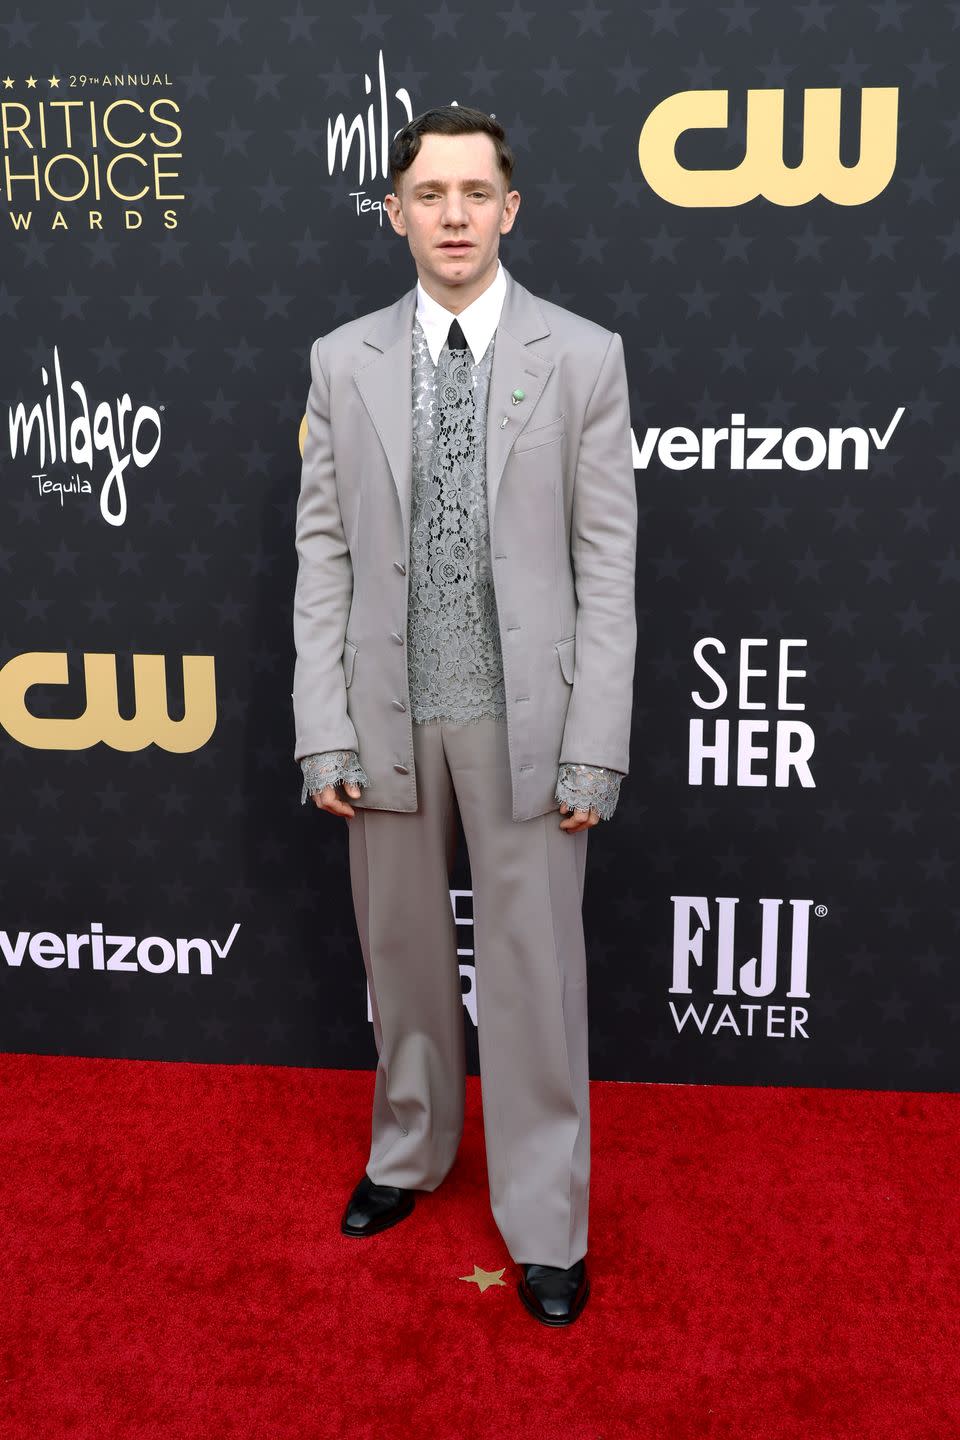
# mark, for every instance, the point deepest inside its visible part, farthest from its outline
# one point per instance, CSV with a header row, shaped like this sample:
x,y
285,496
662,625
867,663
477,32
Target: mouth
x,y
456,247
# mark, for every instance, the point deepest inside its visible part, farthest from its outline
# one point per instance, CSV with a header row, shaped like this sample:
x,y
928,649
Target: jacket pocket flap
x,y
542,435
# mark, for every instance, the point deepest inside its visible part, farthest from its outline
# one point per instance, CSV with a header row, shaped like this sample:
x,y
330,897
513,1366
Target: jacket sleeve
x,y
603,547
324,587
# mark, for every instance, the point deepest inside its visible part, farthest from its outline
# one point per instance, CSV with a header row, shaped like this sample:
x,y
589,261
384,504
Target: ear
x,y
392,206
510,211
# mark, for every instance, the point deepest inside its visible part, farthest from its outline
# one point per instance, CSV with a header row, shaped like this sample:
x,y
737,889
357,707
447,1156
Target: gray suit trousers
x,y
531,989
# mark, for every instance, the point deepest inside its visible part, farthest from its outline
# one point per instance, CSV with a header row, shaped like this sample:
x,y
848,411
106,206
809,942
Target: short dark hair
x,y
447,120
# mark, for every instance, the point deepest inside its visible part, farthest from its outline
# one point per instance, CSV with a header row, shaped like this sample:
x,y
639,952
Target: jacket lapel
x,y
386,386
515,367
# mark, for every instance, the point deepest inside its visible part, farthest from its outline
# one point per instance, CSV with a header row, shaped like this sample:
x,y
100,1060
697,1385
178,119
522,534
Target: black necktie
x,y
456,340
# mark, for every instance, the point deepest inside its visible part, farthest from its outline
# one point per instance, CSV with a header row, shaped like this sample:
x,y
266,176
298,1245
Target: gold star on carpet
x,y
484,1278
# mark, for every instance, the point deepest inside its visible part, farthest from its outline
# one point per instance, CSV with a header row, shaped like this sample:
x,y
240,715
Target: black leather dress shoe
x,y
372,1208
555,1296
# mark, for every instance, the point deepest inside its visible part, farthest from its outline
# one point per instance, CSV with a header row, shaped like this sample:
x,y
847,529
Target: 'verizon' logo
x,y
93,950
739,446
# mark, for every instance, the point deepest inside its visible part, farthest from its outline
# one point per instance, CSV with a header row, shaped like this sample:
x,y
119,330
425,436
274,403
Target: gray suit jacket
x,y
562,509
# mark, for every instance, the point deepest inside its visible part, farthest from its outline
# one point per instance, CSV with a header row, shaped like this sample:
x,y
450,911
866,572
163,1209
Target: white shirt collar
x,y
478,321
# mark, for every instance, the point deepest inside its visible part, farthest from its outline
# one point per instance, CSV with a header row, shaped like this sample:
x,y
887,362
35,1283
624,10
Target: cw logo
x,y
762,171
101,720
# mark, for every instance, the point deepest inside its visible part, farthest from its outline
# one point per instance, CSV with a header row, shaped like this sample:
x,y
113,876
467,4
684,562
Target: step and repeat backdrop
x,y
761,200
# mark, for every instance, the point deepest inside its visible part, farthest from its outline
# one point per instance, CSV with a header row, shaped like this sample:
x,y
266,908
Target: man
x,y
480,437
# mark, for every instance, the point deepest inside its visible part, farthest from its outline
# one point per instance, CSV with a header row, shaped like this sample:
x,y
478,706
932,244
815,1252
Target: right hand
x,y
328,799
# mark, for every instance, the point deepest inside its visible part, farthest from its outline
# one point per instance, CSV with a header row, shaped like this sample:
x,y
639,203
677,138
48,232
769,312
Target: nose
x,y
454,210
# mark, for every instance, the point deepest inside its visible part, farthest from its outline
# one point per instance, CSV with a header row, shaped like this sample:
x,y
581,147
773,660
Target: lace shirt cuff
x,y
331,767
581,786
586,786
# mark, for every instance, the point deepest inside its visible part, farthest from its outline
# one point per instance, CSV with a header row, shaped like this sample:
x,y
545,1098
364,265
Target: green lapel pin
x,y
517,396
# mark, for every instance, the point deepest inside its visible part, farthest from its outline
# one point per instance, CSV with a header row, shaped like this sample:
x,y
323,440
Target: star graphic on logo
x,y
484,1278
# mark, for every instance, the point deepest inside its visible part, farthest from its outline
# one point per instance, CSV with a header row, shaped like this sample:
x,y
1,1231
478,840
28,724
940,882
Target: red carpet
x,y
765,1264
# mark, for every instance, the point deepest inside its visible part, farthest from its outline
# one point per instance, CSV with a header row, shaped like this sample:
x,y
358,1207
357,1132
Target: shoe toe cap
x,y
373,1207
554,1295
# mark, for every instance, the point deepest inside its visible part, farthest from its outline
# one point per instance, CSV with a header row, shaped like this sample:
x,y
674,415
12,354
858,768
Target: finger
x,y
574,820
328,800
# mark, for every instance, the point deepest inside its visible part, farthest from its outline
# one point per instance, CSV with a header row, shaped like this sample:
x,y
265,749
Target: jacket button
x,y
401,769
395,636
398,705
399,565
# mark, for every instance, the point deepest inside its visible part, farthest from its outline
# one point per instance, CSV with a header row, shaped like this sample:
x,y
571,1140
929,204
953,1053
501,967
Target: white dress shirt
x,y
478,321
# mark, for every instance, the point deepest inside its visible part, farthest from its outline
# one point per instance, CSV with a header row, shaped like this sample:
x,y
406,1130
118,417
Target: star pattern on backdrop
x,y
821,316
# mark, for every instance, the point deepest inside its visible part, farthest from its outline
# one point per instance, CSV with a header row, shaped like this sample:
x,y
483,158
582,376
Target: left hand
x,y
577,819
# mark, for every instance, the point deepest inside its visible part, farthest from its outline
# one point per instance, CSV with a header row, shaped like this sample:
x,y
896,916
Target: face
x,y
453,206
